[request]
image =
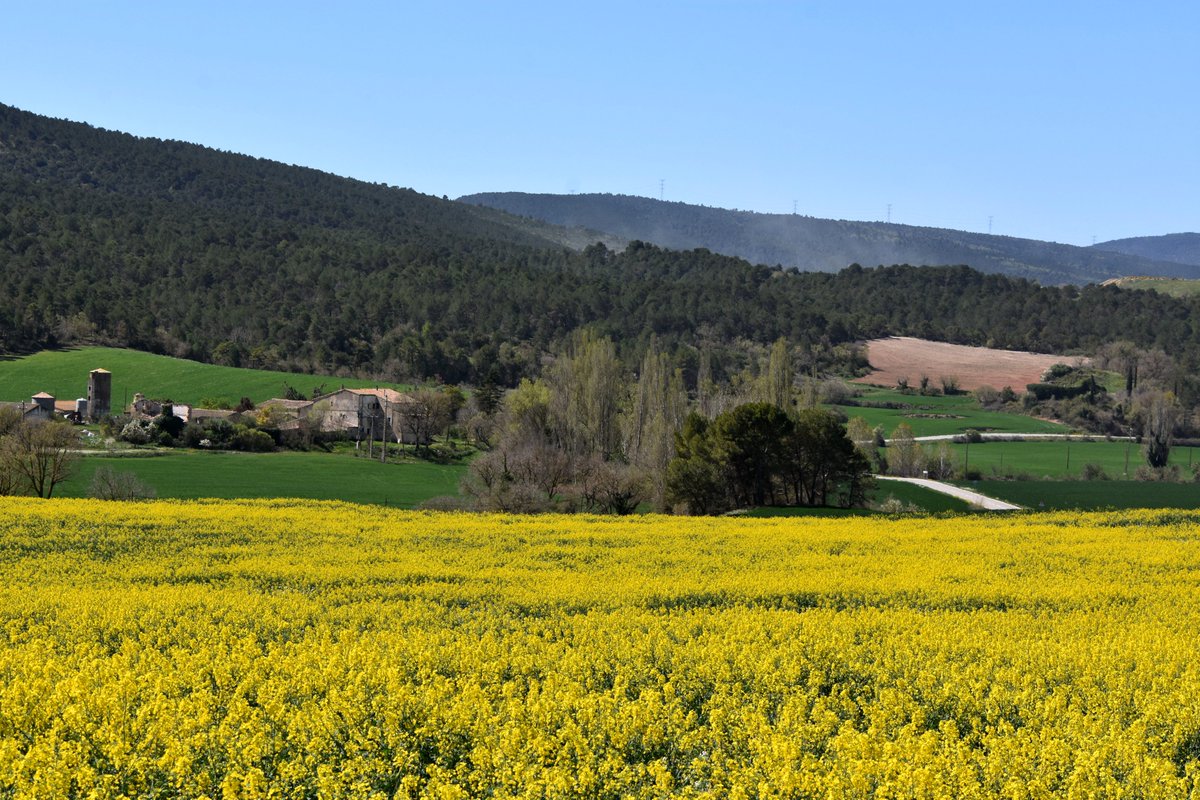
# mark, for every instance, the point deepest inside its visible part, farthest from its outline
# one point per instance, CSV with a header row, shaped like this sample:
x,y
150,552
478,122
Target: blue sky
x,y
1058,120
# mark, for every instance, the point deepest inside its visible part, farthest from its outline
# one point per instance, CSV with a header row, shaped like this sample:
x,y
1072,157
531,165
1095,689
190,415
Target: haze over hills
x,y
825,245
1179,248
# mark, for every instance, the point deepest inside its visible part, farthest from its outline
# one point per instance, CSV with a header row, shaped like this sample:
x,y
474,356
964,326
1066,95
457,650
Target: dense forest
x,y
173,247
809,243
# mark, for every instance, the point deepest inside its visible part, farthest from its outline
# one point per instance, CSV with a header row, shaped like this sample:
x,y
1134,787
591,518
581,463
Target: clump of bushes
x,y
108,484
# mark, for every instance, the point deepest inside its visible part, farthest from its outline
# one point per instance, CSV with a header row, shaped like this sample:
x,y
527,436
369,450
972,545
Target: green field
x,y
64,374
1047,495
321,476
919,496
941,414
1059,459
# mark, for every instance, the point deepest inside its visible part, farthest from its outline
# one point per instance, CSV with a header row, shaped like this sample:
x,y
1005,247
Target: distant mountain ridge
x,y
1179,248
824,245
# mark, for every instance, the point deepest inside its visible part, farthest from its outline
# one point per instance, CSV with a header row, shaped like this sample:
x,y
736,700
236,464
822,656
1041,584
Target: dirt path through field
x,y
971,367
974,498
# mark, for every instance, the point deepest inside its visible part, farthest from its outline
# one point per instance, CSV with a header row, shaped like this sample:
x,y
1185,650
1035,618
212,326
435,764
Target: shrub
x,y
1094,472
1145,472
135,432
834,392
445,502
108,484
988,397
1057,371
253,441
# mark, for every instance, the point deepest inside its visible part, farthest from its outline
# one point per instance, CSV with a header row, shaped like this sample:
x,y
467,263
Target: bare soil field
x,y
906,357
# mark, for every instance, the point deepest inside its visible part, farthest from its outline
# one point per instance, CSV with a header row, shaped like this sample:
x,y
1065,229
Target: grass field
x,y
1087,495
64,374
908,493
319,476
1058,459
942,414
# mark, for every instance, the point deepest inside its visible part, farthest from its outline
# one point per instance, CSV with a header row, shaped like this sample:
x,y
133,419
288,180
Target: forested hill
x,y
1181,248
812,244
176,248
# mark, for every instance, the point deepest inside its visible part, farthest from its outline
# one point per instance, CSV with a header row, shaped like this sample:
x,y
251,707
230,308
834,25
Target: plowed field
x,y
906,357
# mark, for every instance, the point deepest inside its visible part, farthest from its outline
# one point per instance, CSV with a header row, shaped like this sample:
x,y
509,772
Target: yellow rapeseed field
x,y
296,649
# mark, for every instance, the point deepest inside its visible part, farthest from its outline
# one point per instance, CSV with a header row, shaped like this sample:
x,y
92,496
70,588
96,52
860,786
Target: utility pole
x,y
989,224
661,183
889,217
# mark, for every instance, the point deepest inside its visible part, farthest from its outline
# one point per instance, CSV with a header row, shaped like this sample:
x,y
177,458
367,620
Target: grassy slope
x,y
1176,287
322,476
1049,495
965,411
64,374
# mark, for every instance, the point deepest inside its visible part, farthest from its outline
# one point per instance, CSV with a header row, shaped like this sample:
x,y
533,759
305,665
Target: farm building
x,y
145,409
359,413
40,406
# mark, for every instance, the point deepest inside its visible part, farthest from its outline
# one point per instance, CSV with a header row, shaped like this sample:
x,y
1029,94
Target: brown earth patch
x,y
906,357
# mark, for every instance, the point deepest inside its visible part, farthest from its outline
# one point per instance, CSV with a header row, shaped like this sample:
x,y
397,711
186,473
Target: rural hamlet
x,y
358,414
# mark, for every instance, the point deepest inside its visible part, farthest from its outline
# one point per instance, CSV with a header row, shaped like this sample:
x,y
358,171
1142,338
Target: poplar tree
x,y
586,386
776,382
656,412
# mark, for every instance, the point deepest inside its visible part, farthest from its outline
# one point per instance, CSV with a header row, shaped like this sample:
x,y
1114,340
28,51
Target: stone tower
x,y
99,396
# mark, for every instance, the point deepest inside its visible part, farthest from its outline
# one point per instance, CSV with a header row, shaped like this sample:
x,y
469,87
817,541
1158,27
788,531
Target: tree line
x,y
589,436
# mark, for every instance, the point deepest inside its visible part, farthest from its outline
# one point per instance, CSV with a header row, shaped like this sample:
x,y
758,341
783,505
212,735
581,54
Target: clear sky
x,y
1057,120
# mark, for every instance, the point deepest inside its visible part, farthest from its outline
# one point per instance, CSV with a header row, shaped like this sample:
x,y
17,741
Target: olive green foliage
x,y
758,454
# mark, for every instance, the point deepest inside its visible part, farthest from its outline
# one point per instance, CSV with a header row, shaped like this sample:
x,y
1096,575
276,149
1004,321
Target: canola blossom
x,y
294,649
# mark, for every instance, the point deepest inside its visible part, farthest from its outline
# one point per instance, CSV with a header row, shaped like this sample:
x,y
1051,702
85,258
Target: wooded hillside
x,y
177,248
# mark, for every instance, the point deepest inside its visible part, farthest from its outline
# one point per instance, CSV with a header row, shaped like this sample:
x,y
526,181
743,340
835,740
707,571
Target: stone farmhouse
x,y
359,413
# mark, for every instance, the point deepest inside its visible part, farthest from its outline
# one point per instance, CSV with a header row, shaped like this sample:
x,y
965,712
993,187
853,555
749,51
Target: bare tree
x,y
39,455
905,456
108,484
608,487
425,413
